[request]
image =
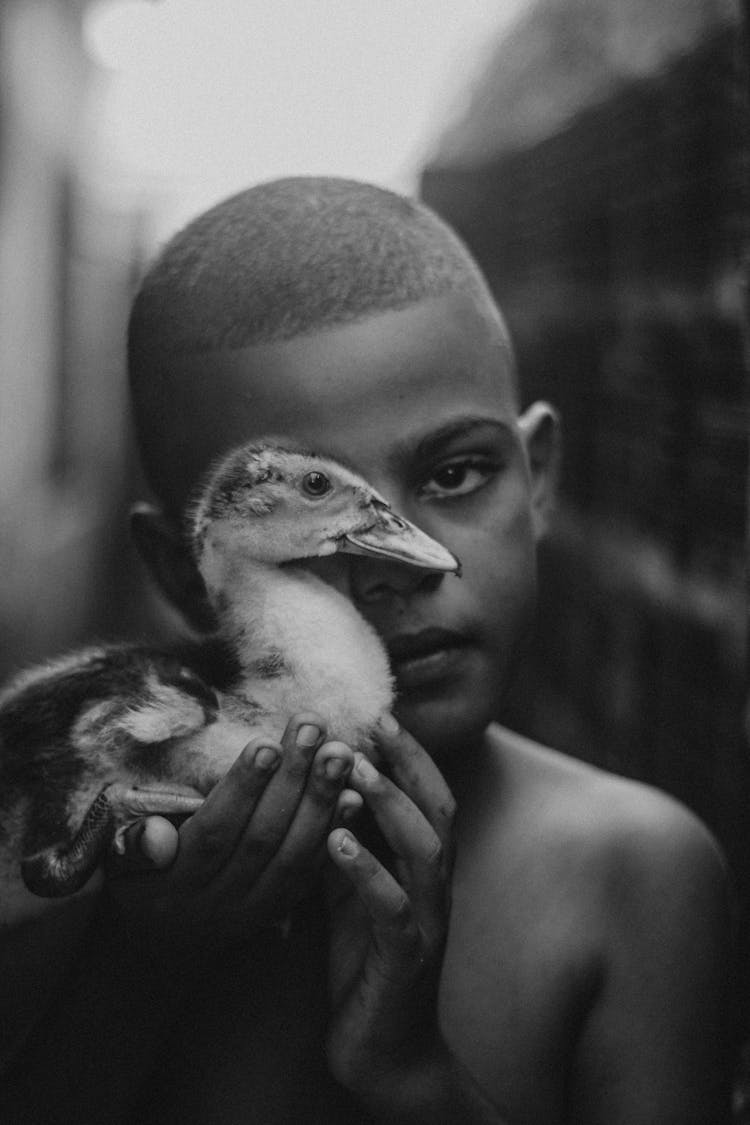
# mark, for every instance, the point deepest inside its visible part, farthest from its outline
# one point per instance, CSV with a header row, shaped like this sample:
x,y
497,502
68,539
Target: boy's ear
x,y
540,432
171,566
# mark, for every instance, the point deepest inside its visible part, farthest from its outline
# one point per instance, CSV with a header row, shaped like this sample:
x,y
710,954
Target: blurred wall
x,y
67,256
600,176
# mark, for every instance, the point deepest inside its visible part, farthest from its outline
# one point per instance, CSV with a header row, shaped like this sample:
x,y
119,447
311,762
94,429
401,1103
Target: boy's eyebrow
x,y
460,427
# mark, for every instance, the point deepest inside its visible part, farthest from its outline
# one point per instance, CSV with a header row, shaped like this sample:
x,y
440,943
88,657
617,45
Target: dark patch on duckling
x,y
238,479
41,759
213,659
150,759
270,666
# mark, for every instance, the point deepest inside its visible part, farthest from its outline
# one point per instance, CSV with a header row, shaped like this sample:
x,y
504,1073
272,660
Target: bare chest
x,y
518,978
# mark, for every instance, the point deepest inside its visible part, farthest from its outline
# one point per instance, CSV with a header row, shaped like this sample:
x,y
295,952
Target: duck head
x,y
276,505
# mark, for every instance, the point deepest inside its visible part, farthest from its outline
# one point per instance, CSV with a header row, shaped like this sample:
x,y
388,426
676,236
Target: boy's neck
x,y
463,767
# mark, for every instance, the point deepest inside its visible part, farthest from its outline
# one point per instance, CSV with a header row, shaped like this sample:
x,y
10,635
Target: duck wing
x,y
88,744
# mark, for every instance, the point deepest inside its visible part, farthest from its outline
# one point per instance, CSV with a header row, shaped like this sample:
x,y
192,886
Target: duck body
x,y
97,739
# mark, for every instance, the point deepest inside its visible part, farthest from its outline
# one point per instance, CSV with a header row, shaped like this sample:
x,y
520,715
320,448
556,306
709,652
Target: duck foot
x,y
65,868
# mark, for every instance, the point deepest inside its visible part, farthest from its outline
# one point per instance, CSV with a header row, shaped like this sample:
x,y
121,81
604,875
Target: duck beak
x,y
392,537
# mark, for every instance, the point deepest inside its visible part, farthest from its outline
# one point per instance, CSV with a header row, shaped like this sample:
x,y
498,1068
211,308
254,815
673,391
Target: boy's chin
x,y
448,728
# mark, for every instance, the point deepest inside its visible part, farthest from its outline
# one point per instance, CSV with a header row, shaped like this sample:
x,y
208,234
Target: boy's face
x,y
421,403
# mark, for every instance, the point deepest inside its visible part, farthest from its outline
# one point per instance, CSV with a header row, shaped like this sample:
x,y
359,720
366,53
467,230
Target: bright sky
x,y
203,97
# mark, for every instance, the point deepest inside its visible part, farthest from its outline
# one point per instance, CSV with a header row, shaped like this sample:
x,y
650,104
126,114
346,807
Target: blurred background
x,y
594,155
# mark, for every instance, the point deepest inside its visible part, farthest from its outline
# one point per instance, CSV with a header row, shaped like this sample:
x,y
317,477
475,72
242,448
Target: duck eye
x,y
316,484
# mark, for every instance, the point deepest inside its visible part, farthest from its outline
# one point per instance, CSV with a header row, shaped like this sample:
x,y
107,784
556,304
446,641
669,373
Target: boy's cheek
x,y
500,524
498,557
502,587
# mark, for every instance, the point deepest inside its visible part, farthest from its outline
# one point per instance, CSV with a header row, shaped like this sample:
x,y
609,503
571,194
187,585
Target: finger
x,y
303,846
409,834
314,815
147,844
406,829
348,806
416,774
264,832
159,842
330,772
209,838
397,941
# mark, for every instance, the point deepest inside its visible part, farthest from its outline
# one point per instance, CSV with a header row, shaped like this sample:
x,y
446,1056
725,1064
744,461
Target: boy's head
x,y
354,321
281,260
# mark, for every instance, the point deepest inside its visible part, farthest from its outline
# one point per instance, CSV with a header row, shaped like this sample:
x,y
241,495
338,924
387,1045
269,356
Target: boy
x,y
538,942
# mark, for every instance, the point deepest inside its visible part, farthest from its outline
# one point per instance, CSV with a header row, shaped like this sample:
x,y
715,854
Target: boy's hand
x,y
245,856
388,938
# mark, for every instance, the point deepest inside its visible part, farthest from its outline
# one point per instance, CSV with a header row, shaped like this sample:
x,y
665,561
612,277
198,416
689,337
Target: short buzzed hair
x,y
280,260
292,256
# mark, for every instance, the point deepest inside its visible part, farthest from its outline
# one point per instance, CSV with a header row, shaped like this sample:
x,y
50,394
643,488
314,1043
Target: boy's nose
x,y
374,580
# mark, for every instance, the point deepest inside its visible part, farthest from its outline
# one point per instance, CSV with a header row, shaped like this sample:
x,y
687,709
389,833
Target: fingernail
x,y
388,724
365,769
335,768
307,736
266,758
347,845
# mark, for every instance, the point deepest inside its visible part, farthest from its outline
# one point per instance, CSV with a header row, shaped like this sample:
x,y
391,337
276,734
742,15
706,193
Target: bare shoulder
x,y
609,901
617,851
645,881
629,826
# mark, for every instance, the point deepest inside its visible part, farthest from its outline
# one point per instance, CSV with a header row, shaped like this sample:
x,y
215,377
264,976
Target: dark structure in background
x,y
600,178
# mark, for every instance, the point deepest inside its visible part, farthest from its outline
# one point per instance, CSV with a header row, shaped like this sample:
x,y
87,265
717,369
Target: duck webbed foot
x,y
64,868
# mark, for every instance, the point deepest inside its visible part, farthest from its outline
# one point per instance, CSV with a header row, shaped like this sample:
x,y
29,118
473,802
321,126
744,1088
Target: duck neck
x,y
271,612
303,645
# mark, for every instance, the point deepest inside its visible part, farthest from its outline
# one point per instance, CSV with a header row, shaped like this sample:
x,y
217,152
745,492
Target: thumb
x,y
151,842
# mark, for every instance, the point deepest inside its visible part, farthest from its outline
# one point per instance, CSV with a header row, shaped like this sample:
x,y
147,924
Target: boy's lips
x,y
417,658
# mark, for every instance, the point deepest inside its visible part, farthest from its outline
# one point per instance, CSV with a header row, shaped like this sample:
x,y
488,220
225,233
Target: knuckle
x,y
448,809
297,766
435,855
403,917
325,791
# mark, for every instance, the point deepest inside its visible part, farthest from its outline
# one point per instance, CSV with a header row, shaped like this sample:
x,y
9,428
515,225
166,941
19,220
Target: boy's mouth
x,y
417,658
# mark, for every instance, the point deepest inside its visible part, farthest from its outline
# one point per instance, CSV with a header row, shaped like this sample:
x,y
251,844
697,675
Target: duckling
x,y
95,740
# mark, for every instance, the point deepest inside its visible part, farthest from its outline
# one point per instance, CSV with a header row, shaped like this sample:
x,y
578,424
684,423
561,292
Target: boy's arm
x,y
387,945
101,1021
657,1043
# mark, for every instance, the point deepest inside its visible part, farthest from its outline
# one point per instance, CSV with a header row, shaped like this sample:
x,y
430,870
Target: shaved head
x,y
281,260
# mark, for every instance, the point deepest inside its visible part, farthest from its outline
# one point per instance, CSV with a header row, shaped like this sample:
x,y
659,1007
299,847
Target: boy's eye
x,y
458,478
